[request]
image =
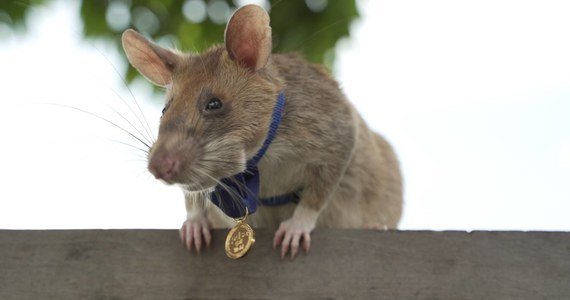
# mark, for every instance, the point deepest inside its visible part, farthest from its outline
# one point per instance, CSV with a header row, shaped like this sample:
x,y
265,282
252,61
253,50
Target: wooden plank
x,y
343,264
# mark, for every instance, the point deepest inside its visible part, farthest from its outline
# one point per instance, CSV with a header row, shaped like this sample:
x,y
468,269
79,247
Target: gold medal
x,y
239,239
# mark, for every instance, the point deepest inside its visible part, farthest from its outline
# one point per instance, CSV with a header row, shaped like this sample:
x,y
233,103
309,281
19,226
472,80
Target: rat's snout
x,y
165,167
169,158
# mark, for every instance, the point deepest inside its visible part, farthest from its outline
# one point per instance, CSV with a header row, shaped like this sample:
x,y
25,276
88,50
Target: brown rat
x,y
218,110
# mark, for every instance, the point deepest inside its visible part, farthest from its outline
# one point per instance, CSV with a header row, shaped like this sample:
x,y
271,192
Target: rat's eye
x,y
214,103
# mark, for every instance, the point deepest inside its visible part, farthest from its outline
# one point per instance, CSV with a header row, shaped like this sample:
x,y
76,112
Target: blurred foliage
x,y
311,27
13,12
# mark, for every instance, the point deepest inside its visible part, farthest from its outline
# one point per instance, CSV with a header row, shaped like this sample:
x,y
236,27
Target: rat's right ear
x,y
152,61
248,37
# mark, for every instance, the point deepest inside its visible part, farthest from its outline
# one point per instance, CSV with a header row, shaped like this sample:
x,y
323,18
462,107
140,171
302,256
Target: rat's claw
x,y
198,238
296,241
285,245
306,242
192,233
295,244
278,238
375,226
289,237
207,235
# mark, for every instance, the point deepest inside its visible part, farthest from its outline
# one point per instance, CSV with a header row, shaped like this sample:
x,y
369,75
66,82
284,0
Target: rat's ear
x,y
151,60
248,37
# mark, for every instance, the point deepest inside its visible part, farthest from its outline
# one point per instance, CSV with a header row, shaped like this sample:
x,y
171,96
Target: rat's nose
x,y
170,156
166,167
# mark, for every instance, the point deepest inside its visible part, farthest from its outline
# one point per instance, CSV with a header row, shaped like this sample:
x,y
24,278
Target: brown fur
x,y
349,176
346,171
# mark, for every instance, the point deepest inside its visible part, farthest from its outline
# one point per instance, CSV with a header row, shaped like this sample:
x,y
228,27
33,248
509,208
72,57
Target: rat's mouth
x,y
197,186
193,168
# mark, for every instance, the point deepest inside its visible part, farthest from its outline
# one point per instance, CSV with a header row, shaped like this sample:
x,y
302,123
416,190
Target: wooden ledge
x,y
343,264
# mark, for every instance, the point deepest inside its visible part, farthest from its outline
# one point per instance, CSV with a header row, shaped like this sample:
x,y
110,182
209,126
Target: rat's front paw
x,y
195,232
290,234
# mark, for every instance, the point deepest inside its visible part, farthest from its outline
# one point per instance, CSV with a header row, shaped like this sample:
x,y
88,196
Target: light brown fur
x,y
321,131
349,176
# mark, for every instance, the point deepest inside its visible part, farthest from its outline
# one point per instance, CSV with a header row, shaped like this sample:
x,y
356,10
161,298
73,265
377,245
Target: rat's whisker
x,y
145,151
147,127
222,161
136,161
100,118
148,137
201,58
236,198
274,4
242,186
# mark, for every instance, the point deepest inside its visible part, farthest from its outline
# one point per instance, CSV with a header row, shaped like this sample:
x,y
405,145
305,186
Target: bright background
x,y
474,95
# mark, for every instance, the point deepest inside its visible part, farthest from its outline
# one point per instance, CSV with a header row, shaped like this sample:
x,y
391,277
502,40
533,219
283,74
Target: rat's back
x,y
322,130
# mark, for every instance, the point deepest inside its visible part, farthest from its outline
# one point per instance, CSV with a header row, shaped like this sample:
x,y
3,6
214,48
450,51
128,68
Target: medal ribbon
x,y
245,185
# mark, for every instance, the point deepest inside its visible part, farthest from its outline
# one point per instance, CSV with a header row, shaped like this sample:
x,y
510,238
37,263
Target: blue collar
x,y
234,194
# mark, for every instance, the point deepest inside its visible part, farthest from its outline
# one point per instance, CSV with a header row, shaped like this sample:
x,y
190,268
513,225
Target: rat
x,y
219,108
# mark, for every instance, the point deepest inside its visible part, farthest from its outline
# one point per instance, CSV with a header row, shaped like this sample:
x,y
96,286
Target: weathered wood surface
x,y
343,264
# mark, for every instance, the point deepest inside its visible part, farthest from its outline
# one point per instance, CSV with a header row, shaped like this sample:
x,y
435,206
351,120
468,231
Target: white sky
x,y
474,95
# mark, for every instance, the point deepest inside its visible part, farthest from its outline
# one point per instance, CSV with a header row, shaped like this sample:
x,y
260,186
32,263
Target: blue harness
x,y
245,185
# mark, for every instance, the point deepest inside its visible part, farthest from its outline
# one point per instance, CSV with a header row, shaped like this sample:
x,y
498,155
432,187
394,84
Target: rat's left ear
x,y
152,61
248,37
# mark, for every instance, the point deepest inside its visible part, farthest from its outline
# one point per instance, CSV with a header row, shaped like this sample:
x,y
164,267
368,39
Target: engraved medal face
x,y
239,240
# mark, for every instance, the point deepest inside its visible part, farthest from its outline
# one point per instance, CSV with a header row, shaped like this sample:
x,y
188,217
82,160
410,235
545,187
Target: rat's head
x,y
218,104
